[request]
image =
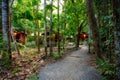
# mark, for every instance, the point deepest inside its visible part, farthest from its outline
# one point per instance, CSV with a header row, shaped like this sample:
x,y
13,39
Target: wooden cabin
x,y
83,36
54,37
20,36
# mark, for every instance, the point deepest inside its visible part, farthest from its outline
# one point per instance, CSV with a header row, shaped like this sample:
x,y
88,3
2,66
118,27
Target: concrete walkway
x,y
72,67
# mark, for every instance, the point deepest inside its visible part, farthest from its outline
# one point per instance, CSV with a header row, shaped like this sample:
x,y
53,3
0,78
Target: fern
x,y
107,69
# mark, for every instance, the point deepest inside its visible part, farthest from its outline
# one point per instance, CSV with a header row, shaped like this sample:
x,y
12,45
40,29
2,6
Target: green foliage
x,y
35,2
39,15
34,77
1,43
30,38
107,69
13,46
27,15
49,7
5,62
24,15
21,46
20,1
30,44
74,15
57,55
16,70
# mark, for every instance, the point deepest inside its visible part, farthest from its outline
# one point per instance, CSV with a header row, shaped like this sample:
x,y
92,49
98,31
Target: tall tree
x,y
64,24
74,16
58,27
0,17
104,20
5,18
78,34
45,28
51,28
116,15
93,27
6,25
37,25
11,29
1,38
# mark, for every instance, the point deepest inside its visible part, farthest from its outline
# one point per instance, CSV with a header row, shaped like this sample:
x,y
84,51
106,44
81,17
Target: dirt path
x,y
72,67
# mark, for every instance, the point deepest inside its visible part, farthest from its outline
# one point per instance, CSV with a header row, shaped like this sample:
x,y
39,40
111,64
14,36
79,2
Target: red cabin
x,y
83,36
20,36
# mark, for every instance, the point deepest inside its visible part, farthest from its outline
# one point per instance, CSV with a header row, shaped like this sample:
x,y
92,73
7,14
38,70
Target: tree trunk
x,y
5,18
58,27
38,36
1,40
93,27
51,27
45,28
9,35
78,35
0,18
11,29
37,25
6,25
64,24
116,16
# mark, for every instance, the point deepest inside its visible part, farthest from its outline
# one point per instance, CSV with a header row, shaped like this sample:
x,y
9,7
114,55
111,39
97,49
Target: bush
x,y
34,77
13,46
4,59
107,69
30,38
2,43
5,62
16,70
21,46
30,44
57,55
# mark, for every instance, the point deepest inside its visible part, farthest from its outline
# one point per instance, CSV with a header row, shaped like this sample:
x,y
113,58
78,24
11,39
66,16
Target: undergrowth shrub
x,y
16,70
21,46
57,55
107,69
30,44
5,62
30,38
34,77
4,59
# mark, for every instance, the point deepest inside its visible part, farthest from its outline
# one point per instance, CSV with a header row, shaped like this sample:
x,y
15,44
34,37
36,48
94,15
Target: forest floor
x,y
73,65
78,65
27,66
